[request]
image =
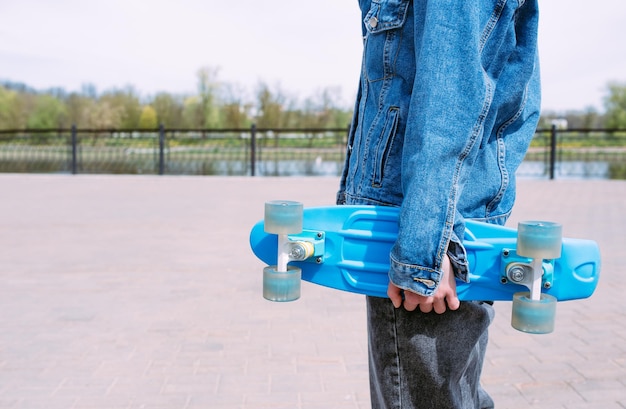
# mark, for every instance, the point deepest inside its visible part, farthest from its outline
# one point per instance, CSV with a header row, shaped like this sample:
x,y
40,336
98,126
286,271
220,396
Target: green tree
x,y
9,115
215,105
148,118
76,106
270,107
48,112
126,104
589,118
208,88
169,110
615,104
192,113
235,113
322,110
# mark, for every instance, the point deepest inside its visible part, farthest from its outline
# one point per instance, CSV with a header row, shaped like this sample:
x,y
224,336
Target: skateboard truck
x,y
284,218
534,311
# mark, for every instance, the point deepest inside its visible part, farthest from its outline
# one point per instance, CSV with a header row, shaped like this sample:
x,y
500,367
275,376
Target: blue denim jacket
x,y
447,105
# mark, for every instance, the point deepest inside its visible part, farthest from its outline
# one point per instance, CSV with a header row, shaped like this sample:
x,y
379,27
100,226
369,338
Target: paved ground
x,y
140,292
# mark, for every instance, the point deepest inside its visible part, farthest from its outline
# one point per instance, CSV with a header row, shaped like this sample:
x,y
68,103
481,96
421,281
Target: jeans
x,y
448,102
422,360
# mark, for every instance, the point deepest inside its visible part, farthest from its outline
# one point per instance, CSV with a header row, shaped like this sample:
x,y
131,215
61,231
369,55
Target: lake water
x,y
565,170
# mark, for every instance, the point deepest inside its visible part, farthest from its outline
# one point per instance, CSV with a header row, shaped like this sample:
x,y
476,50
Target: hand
x,y
444,298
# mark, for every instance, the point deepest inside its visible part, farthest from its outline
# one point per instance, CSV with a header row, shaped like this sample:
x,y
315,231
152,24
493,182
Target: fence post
x,y
252,149
161,149
553,136
74,141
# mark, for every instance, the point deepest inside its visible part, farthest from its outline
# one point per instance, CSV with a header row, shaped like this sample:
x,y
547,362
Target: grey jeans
x,y
424,361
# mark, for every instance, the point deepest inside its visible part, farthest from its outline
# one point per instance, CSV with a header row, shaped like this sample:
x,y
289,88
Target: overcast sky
x,y
159,45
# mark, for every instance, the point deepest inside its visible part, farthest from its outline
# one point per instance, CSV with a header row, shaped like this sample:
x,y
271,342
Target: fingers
x,y
453,302
440,303
429,304
444,299
395,295
400,298
412,301
437,304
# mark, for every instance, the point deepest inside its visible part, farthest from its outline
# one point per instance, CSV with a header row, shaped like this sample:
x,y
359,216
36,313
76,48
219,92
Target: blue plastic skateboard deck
x,y
349,249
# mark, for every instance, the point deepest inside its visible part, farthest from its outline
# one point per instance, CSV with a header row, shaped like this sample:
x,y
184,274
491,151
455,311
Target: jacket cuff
x,y
425,281
418,279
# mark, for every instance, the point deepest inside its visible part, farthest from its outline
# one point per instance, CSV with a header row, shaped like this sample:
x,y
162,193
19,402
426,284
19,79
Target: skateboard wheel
x,y
539,240
533,317
281,287
283,217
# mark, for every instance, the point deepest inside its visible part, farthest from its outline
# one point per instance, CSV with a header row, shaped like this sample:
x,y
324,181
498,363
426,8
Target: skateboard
x,y
347,248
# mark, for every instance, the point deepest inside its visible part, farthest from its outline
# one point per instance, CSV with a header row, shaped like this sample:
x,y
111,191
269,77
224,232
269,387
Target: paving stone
x,y
141,292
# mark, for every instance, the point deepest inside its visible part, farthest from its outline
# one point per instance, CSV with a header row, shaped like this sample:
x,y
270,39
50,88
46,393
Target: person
x,y
448,101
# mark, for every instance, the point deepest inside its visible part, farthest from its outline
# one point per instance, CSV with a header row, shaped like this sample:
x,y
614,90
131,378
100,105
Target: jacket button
x,y
373,22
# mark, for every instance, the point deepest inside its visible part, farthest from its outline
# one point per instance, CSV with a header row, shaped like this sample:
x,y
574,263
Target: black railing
x,y
578,153
256,151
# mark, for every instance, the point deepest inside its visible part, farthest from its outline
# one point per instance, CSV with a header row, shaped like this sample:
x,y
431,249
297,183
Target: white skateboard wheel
x,y
283,217
534,317
539,240
281,287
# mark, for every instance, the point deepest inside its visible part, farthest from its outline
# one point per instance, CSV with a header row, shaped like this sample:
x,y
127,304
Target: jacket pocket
x,y
385,145
385,15
383,24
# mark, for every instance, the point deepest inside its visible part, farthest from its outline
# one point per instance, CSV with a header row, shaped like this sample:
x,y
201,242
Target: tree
x,y
270,106
49,112
208,87
322,110
615,104
76,106
215,105
235,113
148,118
125,103
103,115
9,115
169,110
192,113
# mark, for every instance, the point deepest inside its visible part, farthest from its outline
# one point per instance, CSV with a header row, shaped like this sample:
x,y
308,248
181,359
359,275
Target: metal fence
x,y
576,153
269,152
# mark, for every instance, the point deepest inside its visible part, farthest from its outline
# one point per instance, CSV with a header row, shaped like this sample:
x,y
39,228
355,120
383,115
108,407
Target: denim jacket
x,y
447,105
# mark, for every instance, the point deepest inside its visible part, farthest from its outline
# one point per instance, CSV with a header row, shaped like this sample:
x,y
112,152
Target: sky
x,y
299,47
